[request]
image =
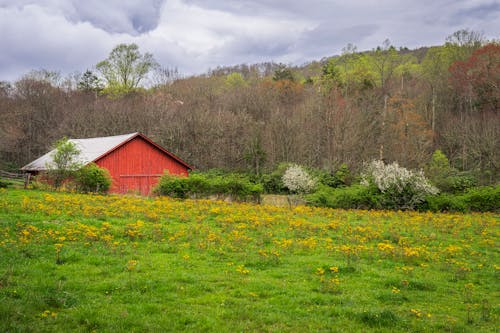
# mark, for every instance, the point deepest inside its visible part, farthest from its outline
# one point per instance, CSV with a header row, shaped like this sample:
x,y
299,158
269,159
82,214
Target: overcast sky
x,y
195,35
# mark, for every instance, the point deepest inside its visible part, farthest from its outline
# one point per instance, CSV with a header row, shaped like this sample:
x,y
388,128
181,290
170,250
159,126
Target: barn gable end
x,y
137,166
134,161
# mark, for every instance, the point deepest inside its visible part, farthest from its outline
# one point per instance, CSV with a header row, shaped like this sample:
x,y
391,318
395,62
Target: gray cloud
x,y
327,38
194,35
118,16
114,16
480,11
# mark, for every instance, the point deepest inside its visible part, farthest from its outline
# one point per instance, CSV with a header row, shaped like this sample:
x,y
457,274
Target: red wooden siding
x,y
137,166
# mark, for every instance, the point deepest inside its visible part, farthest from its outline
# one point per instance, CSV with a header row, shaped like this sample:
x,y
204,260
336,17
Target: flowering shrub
x,y
297,180
401,188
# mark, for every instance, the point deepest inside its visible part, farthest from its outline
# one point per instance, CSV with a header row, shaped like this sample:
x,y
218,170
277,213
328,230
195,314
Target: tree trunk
x,y
384,116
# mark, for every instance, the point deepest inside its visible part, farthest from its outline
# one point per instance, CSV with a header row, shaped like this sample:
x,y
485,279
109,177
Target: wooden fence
x,y
20,177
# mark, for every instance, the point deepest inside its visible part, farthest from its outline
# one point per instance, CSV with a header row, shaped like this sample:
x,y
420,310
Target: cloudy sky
x,y
195,35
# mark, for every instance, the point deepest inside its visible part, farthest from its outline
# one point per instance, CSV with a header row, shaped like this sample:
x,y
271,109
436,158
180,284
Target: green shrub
x,y
273,182
173,186
207,184
480,199
456,182
92,178
459,182
483,199
197,184
352,197
445,177
445,202
4,183
237,186
341,177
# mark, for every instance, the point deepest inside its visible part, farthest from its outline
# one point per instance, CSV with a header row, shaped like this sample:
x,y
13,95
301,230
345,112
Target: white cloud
x,y
212,35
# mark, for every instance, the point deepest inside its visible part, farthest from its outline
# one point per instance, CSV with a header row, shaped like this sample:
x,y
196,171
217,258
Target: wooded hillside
x,y
391,104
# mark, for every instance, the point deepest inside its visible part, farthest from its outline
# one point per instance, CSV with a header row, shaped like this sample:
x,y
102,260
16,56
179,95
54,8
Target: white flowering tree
x,y
402,188
297,180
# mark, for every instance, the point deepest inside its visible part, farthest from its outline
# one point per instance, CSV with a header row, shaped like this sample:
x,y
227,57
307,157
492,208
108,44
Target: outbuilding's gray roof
x,y
90,150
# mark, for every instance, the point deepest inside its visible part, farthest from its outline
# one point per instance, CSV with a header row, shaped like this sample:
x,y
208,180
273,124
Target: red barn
x,y
134,161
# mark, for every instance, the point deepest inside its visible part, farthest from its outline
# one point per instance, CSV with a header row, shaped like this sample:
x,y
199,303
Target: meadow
x,y
92,263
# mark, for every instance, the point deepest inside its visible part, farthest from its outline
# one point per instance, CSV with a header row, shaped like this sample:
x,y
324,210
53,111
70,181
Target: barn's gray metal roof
x,y
90,150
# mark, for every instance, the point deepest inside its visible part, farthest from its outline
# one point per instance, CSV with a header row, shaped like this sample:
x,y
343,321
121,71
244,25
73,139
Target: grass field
x,y
71,262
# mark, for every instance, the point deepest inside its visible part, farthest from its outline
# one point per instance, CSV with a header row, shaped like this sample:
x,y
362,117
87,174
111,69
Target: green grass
x,y
86,263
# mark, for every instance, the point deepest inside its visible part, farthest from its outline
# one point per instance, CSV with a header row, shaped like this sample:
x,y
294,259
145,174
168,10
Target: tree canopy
x,y
125,68
342,109
65,161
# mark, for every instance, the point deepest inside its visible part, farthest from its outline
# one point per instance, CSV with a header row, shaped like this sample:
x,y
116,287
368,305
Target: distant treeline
x,y
390,104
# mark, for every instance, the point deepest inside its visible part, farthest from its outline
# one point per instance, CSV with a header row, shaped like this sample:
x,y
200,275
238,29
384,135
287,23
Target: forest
x,y
390,104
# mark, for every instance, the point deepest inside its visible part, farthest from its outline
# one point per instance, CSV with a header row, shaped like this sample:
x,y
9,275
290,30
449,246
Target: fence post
x,y
27,178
